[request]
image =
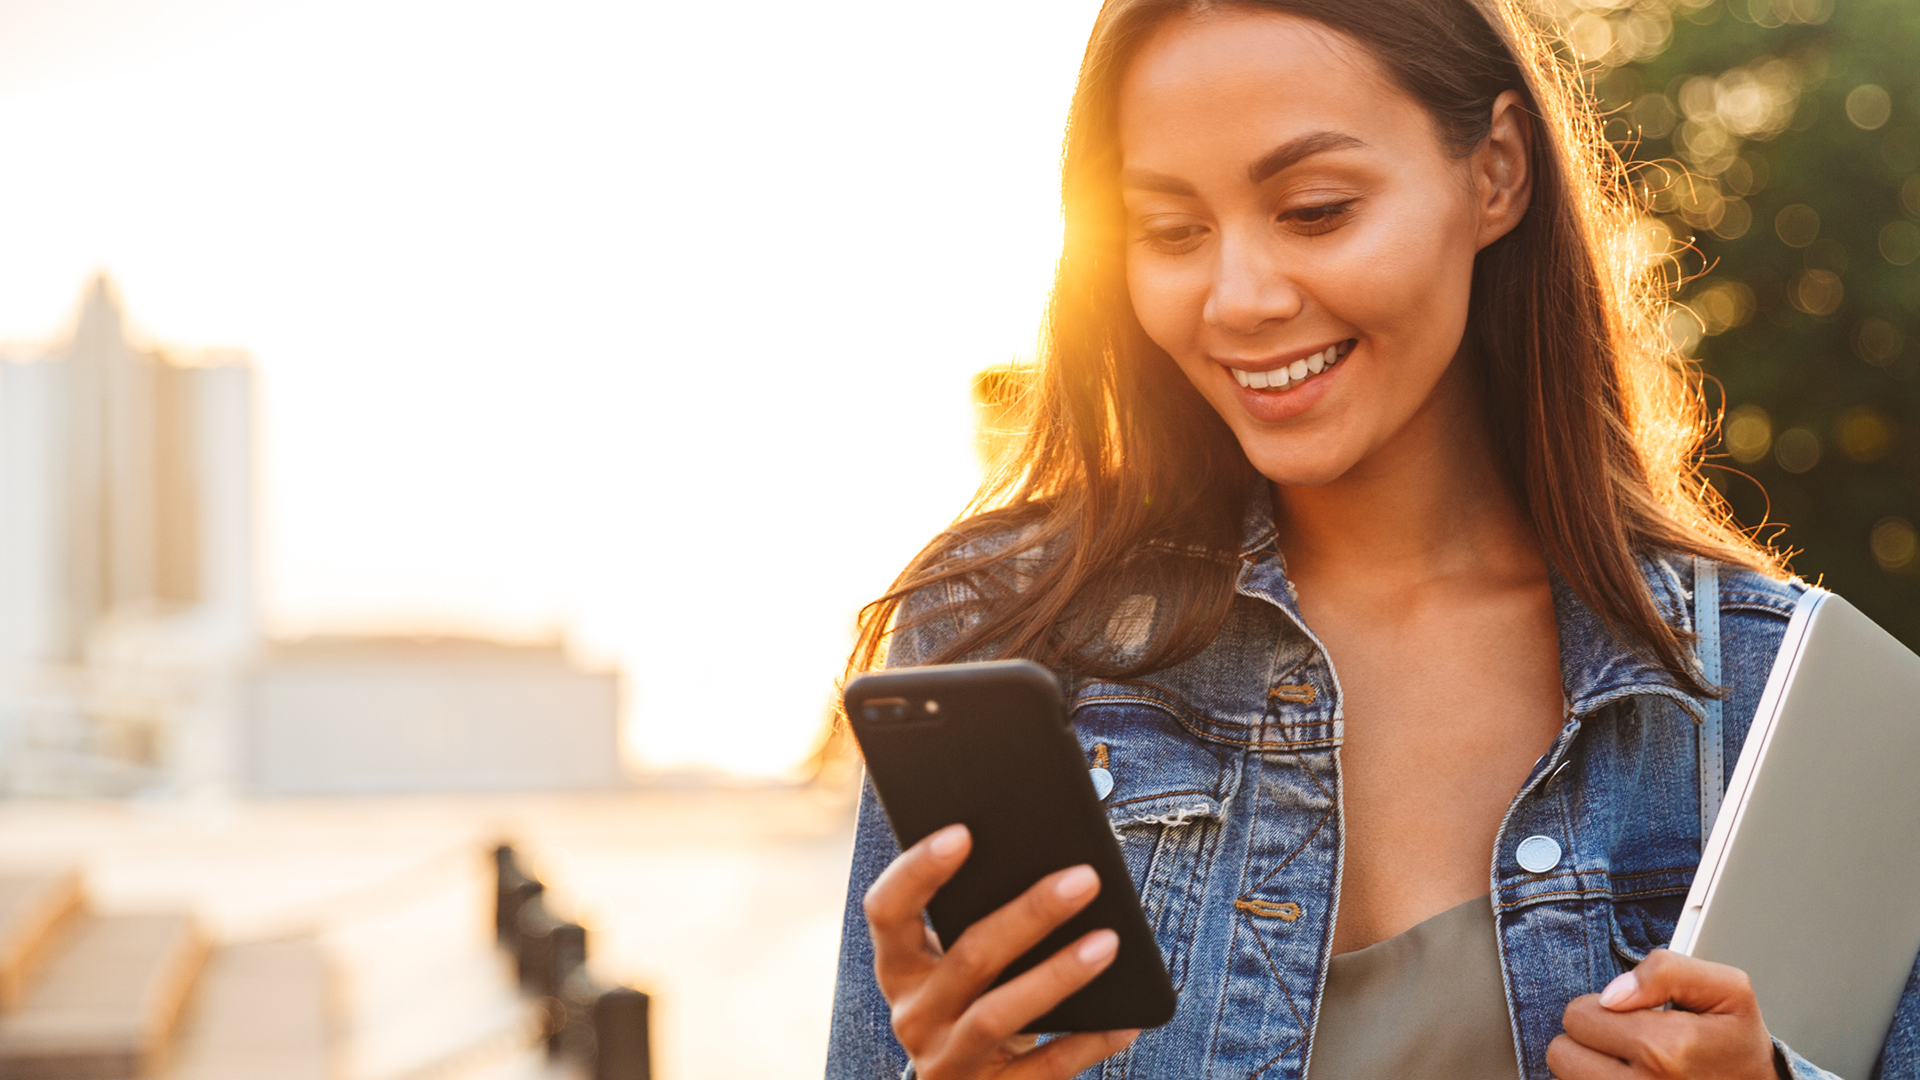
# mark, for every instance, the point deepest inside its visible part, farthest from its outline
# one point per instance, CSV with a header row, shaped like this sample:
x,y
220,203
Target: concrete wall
x,y
395,715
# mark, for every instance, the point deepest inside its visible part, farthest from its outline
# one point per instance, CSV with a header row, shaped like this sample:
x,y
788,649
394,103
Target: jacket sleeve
x,y
1900,1056
1791,1066
861,1045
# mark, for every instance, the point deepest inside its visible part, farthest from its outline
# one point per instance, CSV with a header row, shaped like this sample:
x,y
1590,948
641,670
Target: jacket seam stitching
x,y
1292,855
1611,876
1189,720
1160,795
1278,979
1587,894
1270,1062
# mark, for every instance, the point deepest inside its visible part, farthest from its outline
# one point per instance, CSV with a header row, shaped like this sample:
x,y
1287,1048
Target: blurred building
x,y
126,558
353,715
131,657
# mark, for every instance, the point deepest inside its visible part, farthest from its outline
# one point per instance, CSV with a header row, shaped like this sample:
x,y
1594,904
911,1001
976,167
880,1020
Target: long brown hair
x,y
1125,481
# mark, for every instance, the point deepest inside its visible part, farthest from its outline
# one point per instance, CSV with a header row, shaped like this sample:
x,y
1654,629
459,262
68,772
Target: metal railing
x,y
602,1029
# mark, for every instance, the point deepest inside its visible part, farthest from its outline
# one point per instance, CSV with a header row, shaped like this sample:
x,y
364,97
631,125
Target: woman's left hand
x,y
1714,1031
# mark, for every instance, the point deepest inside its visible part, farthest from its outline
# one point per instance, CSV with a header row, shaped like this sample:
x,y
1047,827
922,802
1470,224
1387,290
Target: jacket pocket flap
x,y
1169,808
1643,924
1156,773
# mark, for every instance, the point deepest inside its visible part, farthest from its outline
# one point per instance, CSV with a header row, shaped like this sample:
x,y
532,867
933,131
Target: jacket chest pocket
x,y
1165,803
1646,907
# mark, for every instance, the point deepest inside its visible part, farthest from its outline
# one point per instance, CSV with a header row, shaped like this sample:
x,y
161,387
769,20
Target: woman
x,y
1348,370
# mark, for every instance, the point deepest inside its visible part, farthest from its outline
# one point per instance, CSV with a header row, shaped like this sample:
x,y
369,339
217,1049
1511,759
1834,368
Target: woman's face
x,y
1298,238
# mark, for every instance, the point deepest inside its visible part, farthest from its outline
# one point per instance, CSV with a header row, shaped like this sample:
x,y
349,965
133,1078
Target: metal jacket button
x,y
1102,781
1538,854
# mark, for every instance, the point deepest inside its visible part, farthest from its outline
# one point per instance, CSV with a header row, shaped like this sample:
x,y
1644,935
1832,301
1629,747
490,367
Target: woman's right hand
x,y
952,1026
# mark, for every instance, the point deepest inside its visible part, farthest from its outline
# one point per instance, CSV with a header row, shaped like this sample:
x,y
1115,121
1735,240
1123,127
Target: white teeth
x,y
1282,376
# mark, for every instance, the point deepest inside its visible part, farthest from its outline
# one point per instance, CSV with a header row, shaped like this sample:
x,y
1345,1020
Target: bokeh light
x,y
1797,450
1894,543
1749,433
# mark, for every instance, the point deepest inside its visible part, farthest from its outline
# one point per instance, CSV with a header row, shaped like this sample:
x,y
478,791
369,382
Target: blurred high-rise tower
x,y
127,562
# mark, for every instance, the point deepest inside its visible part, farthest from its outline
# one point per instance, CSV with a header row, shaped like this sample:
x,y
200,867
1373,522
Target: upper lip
x,y
1268,363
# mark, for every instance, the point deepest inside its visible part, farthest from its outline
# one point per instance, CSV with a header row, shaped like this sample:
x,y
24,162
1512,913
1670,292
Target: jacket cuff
x,y
1792,1066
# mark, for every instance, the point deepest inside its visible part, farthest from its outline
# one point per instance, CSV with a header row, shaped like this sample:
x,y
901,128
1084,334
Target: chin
x,y
1297,467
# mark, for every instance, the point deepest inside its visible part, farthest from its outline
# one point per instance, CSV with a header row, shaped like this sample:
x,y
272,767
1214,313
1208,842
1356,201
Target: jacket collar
x,y
1597,667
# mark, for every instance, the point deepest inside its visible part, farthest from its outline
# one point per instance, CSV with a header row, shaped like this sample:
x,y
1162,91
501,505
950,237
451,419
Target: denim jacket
x,y
1227,800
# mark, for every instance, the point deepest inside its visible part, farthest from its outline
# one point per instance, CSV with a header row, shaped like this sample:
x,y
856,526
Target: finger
x,y
1643,1035
1568,1060
902,949
1003,1011
997,940
1698,986
1071,1055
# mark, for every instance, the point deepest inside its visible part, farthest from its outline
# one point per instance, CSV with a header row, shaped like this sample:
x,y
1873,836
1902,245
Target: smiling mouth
x,y
1286,376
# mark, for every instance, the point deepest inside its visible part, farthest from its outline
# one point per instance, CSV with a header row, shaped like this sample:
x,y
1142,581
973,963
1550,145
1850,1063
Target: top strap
x,y
1706,629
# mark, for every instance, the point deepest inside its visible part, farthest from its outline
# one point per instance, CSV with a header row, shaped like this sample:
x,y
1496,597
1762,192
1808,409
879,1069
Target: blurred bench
x,y
105,1005
90,996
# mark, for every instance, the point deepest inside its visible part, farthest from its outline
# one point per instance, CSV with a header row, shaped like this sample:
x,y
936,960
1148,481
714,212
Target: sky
x,y
649,323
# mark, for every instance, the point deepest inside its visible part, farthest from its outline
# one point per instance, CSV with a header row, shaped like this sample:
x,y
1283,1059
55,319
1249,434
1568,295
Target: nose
x,y
1251,286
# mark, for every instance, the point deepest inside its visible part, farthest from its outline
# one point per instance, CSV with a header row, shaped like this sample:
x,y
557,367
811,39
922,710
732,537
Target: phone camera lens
x,y
881,710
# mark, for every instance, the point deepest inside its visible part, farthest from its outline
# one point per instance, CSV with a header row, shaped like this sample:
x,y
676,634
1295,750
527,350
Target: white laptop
x,y
1810,880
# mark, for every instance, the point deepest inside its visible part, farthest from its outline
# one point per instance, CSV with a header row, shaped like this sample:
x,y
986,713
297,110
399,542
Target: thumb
x,y
1699,986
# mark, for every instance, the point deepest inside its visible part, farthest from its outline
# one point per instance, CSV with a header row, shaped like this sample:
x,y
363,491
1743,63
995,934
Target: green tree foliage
x,y
1781,139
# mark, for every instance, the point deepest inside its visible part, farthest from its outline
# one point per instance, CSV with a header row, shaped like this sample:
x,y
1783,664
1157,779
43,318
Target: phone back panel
x,y
998,757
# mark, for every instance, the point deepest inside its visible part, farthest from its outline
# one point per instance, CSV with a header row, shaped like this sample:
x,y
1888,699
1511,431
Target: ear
x,y
1502,169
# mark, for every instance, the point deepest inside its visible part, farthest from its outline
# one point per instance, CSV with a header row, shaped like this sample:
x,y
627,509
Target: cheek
x,y
1418,276
1405,285
1170,301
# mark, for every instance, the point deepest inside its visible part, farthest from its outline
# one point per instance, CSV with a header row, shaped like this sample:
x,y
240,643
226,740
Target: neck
x,y
1430,504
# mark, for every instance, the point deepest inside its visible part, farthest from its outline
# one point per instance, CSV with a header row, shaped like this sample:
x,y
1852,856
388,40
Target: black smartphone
x,y
988,746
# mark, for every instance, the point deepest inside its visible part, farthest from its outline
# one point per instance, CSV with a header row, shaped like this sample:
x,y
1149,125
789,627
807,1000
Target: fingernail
x,y
948,840
1076,883
1099,947
1619,990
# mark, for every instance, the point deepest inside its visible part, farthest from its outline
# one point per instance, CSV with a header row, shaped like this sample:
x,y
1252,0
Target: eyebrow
x,y
1147,180
1277,160
1293,151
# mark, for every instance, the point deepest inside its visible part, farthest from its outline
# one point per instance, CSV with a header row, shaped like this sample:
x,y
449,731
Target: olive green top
x,y
1427,1004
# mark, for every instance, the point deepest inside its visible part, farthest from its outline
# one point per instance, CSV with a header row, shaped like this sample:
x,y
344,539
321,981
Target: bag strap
x,y
1706,629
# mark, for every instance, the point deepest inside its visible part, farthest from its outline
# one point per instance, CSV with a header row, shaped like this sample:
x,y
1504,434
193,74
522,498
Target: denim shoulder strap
x,y
1706,628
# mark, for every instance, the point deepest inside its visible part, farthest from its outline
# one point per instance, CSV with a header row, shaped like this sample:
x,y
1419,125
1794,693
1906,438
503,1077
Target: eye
x,y
1174,238
1314,220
